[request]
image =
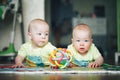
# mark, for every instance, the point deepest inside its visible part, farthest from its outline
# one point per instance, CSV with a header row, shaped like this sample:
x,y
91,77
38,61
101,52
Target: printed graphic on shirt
x,y
34,61
82,63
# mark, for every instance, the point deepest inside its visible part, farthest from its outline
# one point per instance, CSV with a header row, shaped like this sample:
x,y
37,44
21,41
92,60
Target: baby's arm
x,y
97,63
19,62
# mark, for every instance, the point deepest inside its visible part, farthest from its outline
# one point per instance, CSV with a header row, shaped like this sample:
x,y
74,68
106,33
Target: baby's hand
x,y
20,65
93,65
72,65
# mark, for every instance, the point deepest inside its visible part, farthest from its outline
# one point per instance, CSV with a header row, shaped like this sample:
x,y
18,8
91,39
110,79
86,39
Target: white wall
x,y
32,9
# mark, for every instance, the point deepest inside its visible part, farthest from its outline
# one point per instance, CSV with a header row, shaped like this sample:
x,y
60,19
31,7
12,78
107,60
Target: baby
x,y
83,50
37,50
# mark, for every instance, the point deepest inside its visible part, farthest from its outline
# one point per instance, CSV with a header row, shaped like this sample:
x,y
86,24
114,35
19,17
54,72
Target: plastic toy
x,y
60,58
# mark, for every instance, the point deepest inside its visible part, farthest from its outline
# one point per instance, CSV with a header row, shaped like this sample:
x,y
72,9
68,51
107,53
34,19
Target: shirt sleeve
x,y
95,52
50,48
22,51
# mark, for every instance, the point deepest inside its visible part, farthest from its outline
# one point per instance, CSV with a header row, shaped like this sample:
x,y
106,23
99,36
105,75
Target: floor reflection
x,y
36,76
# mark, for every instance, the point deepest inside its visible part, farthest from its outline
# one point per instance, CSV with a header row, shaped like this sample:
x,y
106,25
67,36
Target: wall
x,y
31,10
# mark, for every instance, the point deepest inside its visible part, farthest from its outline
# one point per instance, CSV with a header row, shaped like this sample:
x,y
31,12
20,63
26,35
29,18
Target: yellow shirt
x,y
35,57
91,55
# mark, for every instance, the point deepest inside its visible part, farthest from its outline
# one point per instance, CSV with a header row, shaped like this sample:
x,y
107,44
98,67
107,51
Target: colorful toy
x,y
60,58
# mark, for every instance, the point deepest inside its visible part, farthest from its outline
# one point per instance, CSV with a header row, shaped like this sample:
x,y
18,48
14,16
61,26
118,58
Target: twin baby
x,y
39,48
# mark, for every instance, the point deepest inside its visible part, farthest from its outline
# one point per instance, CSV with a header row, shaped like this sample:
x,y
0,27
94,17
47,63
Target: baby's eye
x,y
46,34
39,33
78,40
86,40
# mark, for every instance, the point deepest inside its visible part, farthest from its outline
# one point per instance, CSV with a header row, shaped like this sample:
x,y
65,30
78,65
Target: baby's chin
x,y
83,52
42,45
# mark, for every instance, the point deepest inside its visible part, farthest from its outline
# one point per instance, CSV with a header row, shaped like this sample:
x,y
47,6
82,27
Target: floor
x,y
37,76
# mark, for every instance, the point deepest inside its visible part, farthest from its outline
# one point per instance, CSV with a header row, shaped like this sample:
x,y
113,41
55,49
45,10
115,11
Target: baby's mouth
x,y
42,41
82,49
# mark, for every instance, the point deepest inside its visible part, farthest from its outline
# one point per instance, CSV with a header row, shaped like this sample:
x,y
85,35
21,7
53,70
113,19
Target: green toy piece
x,y
9,52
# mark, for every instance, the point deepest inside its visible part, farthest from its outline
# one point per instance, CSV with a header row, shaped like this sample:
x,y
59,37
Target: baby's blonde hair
x,y
37,21
83,27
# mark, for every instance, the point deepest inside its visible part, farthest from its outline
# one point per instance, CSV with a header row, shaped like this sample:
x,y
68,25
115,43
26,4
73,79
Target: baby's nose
x,y
81,43
43,36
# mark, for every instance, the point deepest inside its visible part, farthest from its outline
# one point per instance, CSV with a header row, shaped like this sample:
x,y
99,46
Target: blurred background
x,y
62,16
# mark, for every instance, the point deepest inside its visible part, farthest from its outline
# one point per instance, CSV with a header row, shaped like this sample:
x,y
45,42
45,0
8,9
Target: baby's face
x,y
39,34
82,41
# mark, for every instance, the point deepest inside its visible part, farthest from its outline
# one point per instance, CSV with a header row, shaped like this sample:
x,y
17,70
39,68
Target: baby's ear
x,y
72,39
91,40
29,35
